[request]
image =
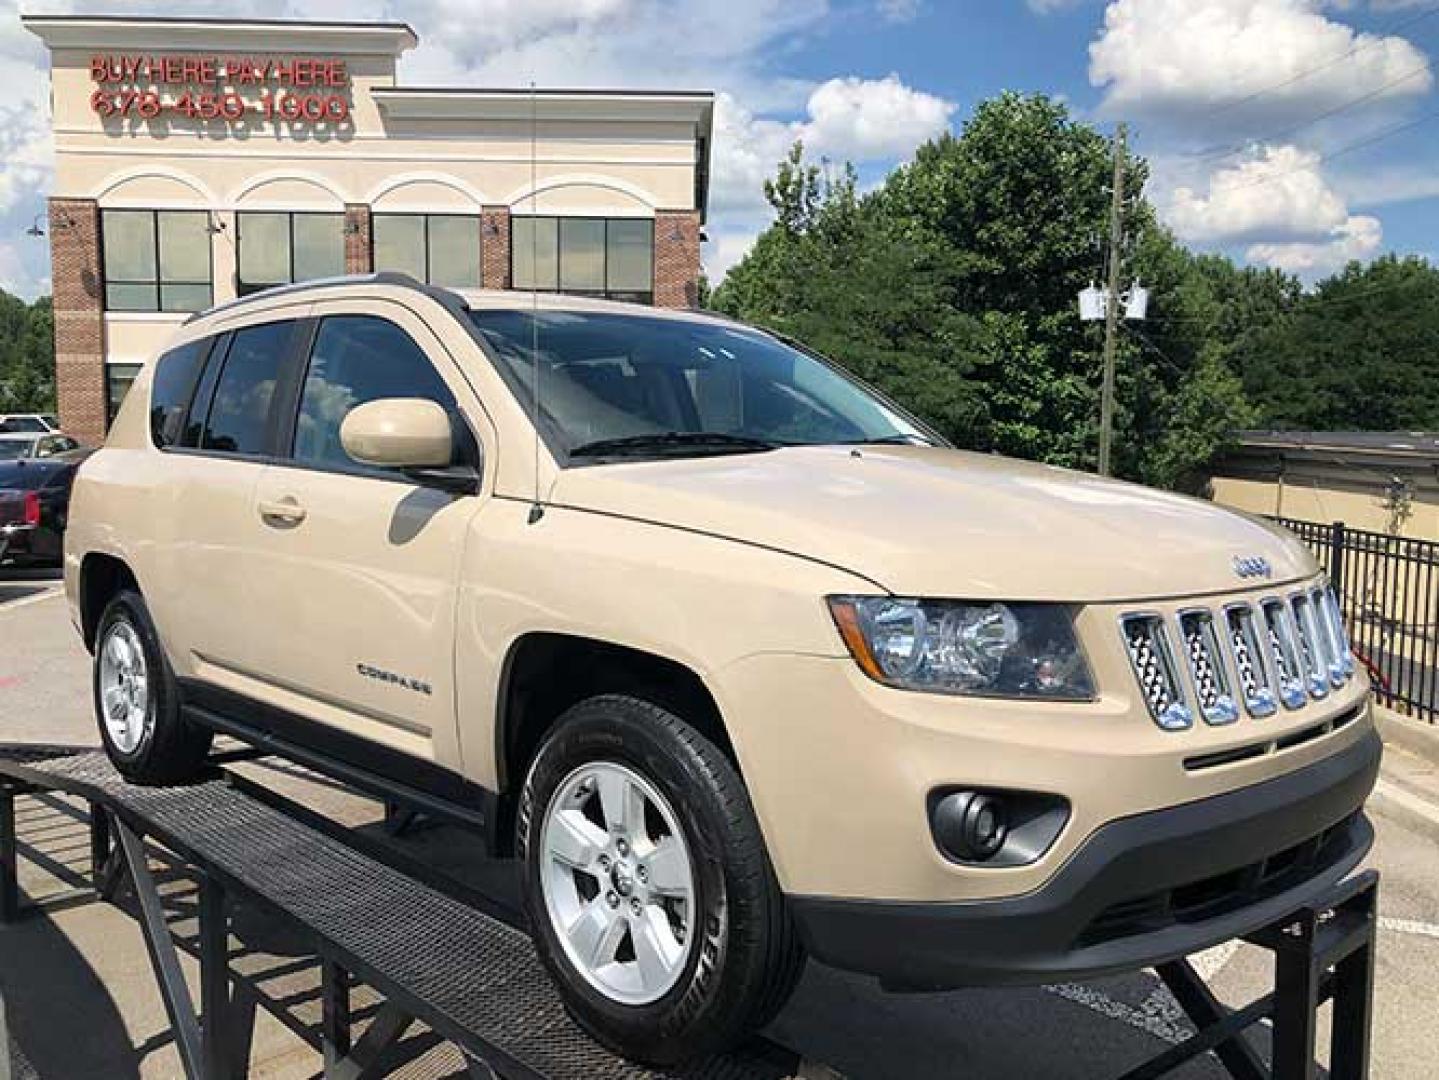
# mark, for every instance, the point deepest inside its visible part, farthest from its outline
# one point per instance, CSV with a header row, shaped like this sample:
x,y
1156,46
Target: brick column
x,y
495,247
359,239
78,286
677,258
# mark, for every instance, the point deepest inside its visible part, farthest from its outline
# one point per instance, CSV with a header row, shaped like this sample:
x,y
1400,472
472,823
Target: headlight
x,y
966,647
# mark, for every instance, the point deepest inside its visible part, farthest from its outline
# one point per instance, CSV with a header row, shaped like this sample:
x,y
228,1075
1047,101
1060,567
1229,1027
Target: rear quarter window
x,y
176,373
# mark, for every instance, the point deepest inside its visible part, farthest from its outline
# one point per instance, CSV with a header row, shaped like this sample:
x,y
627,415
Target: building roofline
x,y
110,32
552,91
1421,444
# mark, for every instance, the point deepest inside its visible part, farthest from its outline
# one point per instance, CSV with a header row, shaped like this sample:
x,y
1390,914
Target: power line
x,y
1212,321
1284,133
1348,148
1358,47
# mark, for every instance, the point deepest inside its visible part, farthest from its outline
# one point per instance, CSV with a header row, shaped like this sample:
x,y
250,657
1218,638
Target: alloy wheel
x,y
618,883
124,687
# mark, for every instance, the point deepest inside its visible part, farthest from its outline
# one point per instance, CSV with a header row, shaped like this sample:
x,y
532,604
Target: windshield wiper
x,y
663,442
888,440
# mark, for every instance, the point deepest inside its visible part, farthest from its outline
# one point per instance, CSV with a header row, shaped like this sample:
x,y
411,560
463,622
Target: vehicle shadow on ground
x,y
17,583
850,1024
42,974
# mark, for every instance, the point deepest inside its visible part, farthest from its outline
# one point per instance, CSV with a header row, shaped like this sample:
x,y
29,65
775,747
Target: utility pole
x,y
1111,307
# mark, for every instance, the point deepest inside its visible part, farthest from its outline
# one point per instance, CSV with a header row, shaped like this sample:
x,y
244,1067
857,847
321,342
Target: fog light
x,y
971,826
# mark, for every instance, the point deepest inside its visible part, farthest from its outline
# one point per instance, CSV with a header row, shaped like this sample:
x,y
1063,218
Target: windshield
x,y
608,376
22,424
13,449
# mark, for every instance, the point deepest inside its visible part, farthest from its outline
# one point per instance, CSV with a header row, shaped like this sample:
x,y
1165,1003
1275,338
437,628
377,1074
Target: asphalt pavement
x,y
82,1001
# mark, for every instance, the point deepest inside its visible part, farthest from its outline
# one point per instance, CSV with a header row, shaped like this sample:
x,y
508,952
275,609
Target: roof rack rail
x,y
380,277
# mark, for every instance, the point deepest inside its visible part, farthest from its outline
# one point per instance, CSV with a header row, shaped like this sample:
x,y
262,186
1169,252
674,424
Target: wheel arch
x,y
101,577
544,673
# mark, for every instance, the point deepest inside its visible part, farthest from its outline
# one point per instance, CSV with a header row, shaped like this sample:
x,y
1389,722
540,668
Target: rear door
x,y
358,569
217,446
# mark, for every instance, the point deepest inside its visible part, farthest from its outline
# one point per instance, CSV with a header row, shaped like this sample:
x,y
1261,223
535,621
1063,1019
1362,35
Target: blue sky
x,y
1290,133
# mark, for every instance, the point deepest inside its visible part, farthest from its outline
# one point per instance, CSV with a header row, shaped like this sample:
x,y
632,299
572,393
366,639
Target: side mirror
x,y
399,433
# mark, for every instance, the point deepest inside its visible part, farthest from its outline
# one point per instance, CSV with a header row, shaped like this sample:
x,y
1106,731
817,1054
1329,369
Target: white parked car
x,y
29,424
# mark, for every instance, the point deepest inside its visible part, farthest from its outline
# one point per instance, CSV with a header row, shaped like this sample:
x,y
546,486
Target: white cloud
x,y
746,150
1360,237
868,119
859,120
471,28
1278,194
1044,7
1389,184
724,250
899,11
1184,58
1279,204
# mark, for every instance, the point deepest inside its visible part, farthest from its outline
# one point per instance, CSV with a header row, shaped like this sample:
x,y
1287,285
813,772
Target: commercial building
x,y
197,160
1382,481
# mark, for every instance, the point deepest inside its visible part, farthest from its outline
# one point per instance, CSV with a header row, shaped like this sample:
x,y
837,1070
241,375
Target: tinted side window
x,y
175,376
239,418
359,358
20,425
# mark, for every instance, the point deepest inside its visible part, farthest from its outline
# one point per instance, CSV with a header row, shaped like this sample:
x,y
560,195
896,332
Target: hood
x,y
925,521
27,474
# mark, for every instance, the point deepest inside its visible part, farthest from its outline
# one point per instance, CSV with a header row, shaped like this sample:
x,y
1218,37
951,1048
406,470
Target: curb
x,y
1415,736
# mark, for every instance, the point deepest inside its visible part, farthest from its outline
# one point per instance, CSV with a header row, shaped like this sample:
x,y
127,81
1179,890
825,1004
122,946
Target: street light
x,y
35,228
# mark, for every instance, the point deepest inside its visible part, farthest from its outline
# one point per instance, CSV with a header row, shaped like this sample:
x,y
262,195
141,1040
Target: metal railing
x,y
1388,587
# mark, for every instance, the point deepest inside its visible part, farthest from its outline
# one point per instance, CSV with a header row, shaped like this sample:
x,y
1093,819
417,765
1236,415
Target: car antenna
x,y
537,509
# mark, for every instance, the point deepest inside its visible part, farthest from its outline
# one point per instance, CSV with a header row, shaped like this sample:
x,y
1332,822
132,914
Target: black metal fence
x,y
1389,589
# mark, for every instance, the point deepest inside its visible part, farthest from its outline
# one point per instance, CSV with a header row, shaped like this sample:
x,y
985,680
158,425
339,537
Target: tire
x,y
738,958
150,743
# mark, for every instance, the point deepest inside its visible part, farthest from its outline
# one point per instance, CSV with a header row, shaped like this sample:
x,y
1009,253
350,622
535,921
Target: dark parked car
x,y
34,506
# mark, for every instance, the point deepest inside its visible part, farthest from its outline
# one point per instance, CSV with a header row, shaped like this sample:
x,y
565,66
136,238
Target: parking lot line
x,y
49,593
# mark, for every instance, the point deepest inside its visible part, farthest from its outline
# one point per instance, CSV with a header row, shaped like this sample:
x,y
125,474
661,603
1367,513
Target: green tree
x,y
27,355
952,287
1356,353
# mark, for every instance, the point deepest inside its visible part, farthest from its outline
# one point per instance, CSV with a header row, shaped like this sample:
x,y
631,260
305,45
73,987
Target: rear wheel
x,y
137,702
647,885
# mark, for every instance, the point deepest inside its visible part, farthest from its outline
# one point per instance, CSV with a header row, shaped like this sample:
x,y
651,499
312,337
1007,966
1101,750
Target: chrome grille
x,y
1247,648
1342,658
1275,650
1279,625
1212,692
1153,662
1313,650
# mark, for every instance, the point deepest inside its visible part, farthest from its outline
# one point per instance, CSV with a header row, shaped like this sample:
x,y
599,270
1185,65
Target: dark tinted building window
x,y
611,257
118,380
279,248
440,249
240,414
175,376
157,260
359,358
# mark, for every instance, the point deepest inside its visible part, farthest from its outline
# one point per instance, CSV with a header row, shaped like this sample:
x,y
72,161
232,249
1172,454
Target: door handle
x,y
285,511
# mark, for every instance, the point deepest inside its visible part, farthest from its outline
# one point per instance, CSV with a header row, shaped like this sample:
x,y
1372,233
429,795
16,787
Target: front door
x,y
358,568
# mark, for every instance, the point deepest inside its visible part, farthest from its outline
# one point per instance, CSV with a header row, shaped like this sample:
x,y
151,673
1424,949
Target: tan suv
x,y
739,660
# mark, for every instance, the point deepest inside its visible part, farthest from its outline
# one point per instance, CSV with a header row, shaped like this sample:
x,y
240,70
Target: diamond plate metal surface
x,y
476,972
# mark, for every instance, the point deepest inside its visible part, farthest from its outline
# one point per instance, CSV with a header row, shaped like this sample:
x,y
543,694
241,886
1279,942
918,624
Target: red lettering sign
x,y
224,88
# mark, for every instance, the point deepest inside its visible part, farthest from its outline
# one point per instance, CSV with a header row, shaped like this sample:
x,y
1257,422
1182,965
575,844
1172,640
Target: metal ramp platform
x,y
471,978
436,955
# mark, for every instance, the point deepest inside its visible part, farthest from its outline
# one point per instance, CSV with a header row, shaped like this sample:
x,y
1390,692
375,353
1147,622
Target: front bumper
x,y
1138,891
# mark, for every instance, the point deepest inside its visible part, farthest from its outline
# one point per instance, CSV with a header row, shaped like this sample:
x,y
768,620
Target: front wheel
x,y
647,885
137,701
